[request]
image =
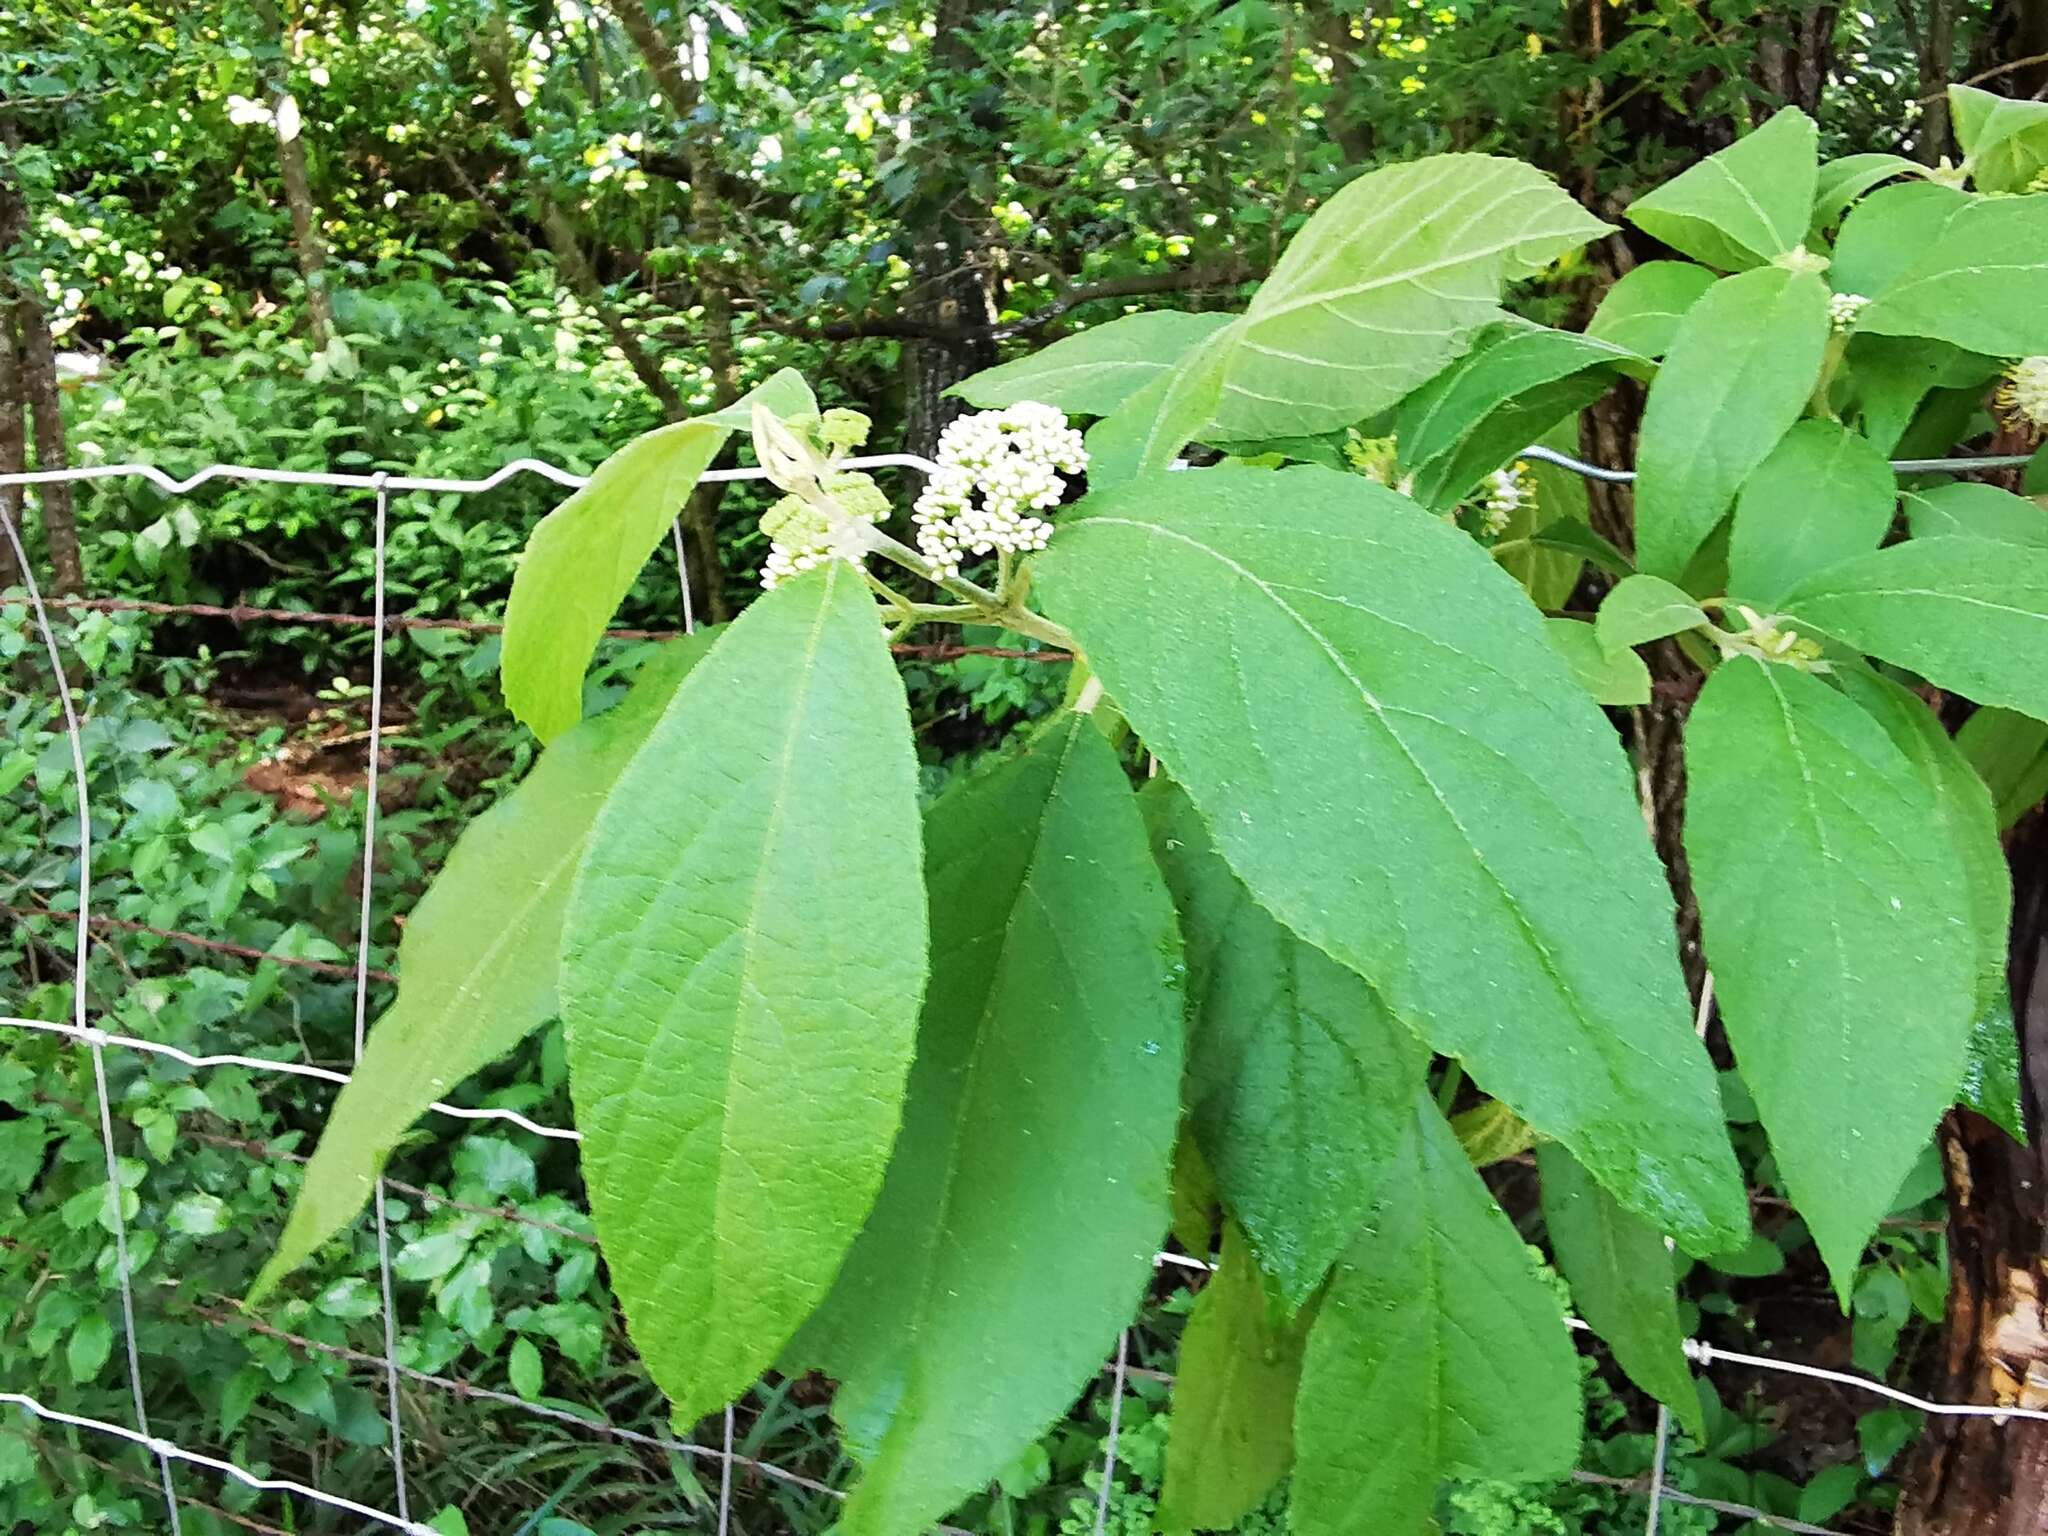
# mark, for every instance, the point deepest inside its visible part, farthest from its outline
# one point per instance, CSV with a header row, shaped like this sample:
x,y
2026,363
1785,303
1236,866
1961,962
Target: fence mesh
x,y
96,1041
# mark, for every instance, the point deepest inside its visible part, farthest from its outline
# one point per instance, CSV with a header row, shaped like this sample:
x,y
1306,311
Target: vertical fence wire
x,y
362,1018
1701,1016
94,1039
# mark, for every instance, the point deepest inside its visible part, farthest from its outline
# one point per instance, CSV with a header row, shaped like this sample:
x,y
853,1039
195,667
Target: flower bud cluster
x,y
1843,308
2025,390
801,537
1502,494
997,471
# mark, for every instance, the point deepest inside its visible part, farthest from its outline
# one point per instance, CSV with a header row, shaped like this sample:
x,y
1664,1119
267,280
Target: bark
x,y
38,361
13,443
2011,52
307,242
955,289
1979,1476
1934,46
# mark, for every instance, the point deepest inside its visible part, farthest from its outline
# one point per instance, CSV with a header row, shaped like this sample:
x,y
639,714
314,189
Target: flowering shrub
x,y
1331,821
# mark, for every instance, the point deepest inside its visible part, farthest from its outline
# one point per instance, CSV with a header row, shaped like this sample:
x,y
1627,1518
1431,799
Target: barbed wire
x,y
380,623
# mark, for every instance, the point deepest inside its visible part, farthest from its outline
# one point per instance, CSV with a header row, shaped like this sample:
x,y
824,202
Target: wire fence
x,y
96,1041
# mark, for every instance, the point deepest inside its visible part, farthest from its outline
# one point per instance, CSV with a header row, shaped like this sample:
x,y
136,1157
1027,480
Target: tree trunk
x,y
39,386
13,442
2011,55
1936,47
1976,1476
307,242
955,291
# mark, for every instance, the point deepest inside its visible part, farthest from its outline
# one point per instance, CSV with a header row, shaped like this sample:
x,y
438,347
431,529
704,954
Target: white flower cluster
x,y
800,537
2025,391
1843,308
997,470
1502,494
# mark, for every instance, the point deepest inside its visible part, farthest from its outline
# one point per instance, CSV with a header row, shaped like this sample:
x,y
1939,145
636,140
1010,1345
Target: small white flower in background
x,y
997,470
1504,493
2025,390
800,537
244,113
1843,308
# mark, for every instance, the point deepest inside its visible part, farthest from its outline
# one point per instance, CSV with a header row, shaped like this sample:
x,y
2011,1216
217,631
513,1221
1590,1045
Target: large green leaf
x,y
1981,283
1298,1078
1611,674
582,558
1991,1075
1015,1231
1092,372
1231,1437
1829,902
1400,767
1642,310
1964,817
1822,495
1887,230
1621,1279
1841,182
1970,615
1493,402
1739,372
1386,282
2009,752
742,960
1885,379
1438,1351
479,959
1739,208
2004,141
1149,429
1972,510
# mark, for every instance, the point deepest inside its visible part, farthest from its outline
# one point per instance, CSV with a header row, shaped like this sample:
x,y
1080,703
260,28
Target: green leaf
x,y
1611,676
479,958
1822,495
1740,370
583,558
1094,371
1492,403
91,1342
2004,141
1388,281
1887,377
1639,609
1981,283
1148,431
1964,817
1887,230
1841,182
2009,751
1438,1352
1739,208
1970,509
1492,1133
524,1368
2034,480
1040,1120
1366,759
1829,917
743,954
1621,1280
1991,1072
1231,1435
1969,615
1641,312
1298,1078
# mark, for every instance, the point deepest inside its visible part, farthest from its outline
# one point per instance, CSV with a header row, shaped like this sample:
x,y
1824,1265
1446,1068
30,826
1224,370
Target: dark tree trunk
x,y
955,288
45,402
1934,45
2011,52
13,442
1976,1476
307,242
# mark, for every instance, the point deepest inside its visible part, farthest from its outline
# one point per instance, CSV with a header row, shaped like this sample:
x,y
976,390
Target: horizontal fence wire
x,y
1700,1351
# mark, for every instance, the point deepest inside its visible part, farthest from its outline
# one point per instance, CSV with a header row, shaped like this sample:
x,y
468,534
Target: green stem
x,y
1447,1090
